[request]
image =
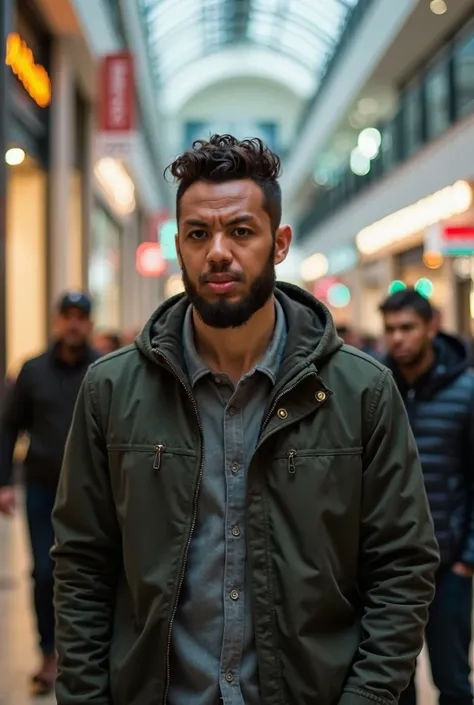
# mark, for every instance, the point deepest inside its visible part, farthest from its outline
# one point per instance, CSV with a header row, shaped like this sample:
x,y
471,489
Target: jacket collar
x,y
311,334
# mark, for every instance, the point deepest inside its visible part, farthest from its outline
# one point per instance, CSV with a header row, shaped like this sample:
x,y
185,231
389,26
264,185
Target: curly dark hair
x,y
225,158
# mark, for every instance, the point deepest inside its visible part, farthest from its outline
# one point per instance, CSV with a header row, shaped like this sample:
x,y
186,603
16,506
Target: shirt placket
x,y
235,551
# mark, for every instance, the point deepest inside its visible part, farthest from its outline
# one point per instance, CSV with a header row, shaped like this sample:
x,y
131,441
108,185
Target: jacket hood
x,y
311,338
451,360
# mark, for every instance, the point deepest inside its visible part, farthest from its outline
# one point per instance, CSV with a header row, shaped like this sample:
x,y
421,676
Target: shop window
x,y
464,73
26,263
105,269
437,94
412,120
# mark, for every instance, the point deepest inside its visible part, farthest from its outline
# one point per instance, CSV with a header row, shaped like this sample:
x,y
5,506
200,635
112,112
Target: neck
x,y
69,355
412,373
235,351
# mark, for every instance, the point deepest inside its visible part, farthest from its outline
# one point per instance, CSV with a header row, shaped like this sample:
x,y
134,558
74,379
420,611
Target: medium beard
x,y
228,314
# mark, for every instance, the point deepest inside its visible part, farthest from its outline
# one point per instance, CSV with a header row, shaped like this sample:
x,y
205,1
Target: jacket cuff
x,y
361,698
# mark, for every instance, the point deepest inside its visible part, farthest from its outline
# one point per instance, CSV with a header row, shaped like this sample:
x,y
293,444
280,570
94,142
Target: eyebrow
x,y
244,218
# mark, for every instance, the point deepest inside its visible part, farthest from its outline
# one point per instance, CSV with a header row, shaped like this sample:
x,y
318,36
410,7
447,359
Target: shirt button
x,y
235,468
235,531
234,595
229,676
232,410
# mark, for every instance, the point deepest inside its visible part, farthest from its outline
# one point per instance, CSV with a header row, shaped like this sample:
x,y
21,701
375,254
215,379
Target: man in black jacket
x,y
431,370
41,403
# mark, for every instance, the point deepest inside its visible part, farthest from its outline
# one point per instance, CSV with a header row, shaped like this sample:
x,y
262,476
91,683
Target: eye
x,y
241,232
197,234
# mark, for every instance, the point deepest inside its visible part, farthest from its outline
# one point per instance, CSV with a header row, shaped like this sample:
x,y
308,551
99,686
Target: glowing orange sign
x,y
33,76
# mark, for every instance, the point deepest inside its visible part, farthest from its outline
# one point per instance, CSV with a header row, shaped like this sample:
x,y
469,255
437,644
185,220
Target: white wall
x,y
440,164
246,99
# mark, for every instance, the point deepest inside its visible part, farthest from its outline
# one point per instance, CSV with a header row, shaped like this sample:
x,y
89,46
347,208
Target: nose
x,y
397,337
219,251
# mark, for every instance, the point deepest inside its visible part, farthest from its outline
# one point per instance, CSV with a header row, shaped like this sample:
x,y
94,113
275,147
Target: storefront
x,y
105,267
114,235
27,148
398,248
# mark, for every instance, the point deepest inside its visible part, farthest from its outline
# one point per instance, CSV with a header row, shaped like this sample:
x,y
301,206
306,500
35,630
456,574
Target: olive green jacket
x,y
341,551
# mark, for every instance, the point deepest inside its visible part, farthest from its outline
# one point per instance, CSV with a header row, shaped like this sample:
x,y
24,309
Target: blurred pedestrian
x,y
107,342
40,403
431,371
349,336
241,515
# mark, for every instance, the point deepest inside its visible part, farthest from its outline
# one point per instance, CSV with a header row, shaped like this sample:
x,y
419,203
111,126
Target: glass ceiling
x,y
181,32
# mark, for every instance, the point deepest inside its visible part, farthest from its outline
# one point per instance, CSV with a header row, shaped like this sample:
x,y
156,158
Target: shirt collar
x,y
268,365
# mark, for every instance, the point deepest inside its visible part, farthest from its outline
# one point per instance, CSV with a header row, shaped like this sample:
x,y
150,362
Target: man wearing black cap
x,y
40,403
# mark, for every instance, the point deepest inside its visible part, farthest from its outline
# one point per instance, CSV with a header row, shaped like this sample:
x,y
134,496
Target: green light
x,y
167,240
338,295
395,286
424,287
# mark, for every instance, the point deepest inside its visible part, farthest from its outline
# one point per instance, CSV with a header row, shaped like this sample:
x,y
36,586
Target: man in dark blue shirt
x,y
40,403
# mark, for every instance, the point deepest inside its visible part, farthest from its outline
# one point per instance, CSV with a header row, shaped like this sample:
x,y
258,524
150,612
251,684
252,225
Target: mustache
x,y
220,269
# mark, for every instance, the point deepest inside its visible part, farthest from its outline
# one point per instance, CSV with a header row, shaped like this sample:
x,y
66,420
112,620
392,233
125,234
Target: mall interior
x,y
370,104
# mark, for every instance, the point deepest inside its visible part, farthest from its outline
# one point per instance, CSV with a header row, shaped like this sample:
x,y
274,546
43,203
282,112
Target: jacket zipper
x,y
279,396
291,461
159,450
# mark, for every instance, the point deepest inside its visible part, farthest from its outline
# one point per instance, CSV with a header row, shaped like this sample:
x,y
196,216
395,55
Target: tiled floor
x,y
17,636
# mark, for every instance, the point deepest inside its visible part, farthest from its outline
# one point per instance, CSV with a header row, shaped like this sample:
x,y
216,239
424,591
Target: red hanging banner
x,y
117,115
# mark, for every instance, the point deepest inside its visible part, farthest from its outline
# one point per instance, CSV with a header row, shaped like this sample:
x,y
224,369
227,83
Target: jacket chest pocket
x,y
314,502
151,478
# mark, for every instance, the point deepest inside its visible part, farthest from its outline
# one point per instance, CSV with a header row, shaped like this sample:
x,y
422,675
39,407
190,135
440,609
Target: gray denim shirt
x,y
213,650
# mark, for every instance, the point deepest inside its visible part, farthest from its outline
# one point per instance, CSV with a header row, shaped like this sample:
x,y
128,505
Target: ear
x,y
283,238
433,328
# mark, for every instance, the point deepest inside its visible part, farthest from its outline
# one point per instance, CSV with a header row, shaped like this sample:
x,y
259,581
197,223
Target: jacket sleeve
x,y
15,418
398,555
467,555
87,554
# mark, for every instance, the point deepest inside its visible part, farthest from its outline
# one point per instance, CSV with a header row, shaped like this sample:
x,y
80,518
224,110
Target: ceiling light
x,y
314,267
15,156
442,205
368,106
369,142
438,7
117,184
360,165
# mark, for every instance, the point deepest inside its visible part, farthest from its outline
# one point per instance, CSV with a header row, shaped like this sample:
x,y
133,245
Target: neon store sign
x,y
33,77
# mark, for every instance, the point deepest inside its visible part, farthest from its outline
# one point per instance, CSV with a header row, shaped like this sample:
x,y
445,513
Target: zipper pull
x,y
291,461
158,452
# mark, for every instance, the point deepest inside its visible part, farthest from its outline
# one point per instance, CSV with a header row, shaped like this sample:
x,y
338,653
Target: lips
x,y
220,279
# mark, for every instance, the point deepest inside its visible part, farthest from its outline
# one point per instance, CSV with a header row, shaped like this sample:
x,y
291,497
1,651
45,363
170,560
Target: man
x,y
41,404
431,370
107,342
241,513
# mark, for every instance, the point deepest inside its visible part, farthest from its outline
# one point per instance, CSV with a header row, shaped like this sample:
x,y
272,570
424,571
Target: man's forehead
x,y
229,195
405,315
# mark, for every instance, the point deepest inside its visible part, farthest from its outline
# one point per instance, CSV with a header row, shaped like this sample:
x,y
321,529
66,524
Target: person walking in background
x,y
431,371
107,342
241,516
40,403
